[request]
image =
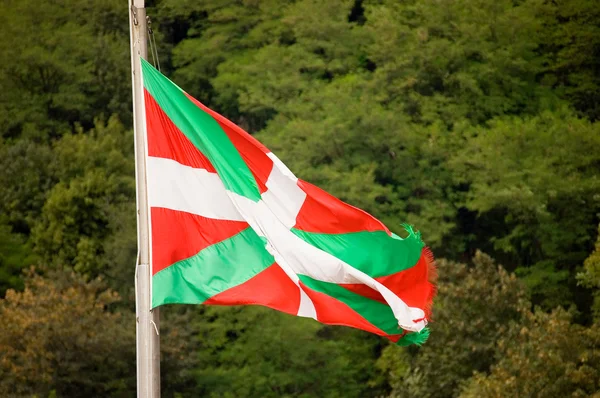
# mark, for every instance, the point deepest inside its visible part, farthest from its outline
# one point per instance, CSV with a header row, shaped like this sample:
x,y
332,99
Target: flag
x,y
232,225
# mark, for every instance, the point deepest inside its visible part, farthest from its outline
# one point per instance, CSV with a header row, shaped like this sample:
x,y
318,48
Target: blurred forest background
x,y
477,121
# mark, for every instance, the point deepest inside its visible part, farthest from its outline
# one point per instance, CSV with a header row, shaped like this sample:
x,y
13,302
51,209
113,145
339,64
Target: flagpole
x,y
147,320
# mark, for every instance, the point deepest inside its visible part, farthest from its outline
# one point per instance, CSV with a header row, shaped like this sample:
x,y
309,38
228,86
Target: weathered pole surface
x,y
147,320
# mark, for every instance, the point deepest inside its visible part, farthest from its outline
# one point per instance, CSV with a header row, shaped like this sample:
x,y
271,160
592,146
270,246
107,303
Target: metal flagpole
x,y
147,320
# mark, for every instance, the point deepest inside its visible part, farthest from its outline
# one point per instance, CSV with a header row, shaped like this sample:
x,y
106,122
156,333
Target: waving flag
x,y
232,225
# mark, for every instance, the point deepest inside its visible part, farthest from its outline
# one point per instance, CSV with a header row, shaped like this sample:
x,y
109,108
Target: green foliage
x,y
25,180
14,255
460,59
43,349
533,174
218,31
474,309
545,356
256,352
570,38
68,336
590,277
62,63
83,212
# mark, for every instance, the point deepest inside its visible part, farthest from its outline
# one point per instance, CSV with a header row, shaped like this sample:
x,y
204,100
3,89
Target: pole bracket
x,y
134,14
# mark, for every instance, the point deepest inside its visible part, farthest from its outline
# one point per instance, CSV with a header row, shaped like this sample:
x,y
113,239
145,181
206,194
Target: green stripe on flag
x,y
378,314
203,131
213,270
374,253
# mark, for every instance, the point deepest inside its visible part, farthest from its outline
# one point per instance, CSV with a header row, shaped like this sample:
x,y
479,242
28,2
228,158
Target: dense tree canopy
x,y
475,308
545,356
475,121
58,332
